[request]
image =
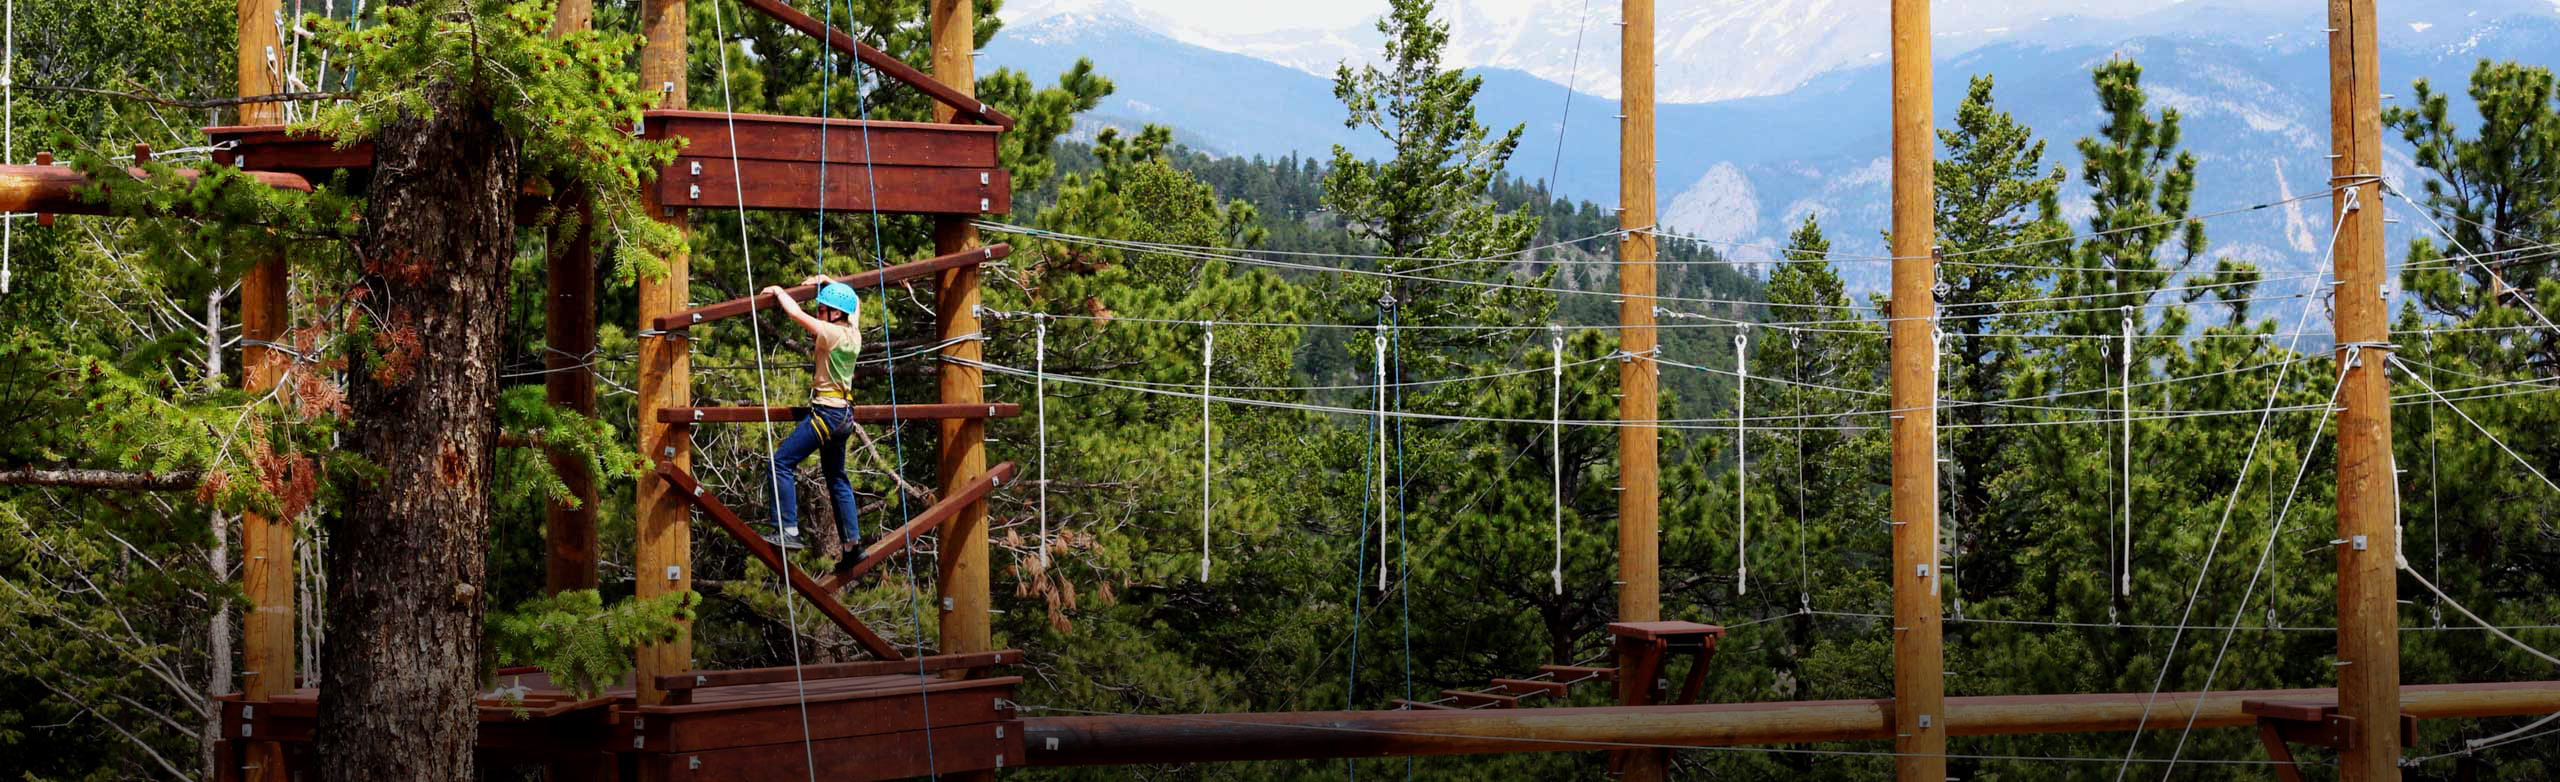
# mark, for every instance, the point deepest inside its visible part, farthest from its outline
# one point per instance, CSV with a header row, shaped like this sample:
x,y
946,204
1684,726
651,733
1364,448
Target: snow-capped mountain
x,y
2249,76
1721,49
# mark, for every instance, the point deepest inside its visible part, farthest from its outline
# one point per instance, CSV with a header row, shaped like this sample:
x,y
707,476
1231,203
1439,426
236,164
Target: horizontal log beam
x,y
861,413
1203,738
56,189
870,279
889,66
941,662
110,480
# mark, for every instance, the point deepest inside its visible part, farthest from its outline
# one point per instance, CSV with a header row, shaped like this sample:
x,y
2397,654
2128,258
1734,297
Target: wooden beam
x,y
683,485
569,375
1919,662
2368,495
1639,379
834,141
940,662
972,495
1483,698
1572,673
267,664
1525,686
1204,738
870,279
861,413
56,189
959,100
961,456
663,558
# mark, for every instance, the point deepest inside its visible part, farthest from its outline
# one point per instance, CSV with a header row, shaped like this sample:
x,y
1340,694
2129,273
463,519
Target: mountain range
x,y
1774,110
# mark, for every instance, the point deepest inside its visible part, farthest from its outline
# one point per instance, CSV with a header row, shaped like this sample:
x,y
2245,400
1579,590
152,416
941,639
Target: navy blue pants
x,y
824,431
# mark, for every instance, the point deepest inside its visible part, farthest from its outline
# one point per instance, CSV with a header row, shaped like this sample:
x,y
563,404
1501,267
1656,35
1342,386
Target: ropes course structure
x,y
931,709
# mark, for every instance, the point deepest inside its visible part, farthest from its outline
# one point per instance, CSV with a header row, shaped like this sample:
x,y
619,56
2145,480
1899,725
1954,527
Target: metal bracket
x,y
675,572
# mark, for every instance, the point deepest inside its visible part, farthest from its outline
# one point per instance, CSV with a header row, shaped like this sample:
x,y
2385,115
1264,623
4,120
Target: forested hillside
x,y
1246,495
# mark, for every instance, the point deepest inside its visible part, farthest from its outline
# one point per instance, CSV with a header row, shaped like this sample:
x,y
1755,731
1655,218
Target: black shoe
x,y
852,556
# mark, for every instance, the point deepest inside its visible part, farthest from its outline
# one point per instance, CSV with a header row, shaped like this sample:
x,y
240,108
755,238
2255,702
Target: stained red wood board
x,y
690,680
770,714
790,185
846,145
958,749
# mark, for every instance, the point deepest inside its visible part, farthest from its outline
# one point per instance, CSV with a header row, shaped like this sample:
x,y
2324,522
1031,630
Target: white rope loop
x,y
1378,343
1741,464
1208,352
1555,445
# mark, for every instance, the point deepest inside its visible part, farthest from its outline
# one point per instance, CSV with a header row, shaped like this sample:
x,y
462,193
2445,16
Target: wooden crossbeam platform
x,y
861,413
863,722
685,683
684,485
747,161
870,279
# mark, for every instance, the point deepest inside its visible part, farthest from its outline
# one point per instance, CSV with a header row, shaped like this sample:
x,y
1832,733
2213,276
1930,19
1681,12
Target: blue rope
x,y
1360,560
897,429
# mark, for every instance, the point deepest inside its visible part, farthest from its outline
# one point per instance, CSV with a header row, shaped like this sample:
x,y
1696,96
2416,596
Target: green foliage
x,y
571,101
584,645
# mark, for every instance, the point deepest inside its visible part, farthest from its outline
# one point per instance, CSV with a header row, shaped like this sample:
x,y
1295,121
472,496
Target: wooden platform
x,y
862,727
750,161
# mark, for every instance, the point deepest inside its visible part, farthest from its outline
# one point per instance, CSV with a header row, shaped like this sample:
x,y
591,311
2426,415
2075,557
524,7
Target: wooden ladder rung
x,y
1573,673
1532,686
1421,705
949,507
1485,698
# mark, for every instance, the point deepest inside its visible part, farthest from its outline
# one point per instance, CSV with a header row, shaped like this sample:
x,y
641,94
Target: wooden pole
x,y
663,563
1639,468
963,577
266,543
1203,738
569,382
1919,664
2368,577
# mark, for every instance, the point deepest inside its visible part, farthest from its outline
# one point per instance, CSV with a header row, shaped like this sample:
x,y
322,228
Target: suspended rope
x,y
1208,348
897,432
1555,444
1741,466
764,397
1804,559
1040,420
2125,573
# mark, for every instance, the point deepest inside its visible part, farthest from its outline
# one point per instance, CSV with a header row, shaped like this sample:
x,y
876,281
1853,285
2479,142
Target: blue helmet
x,y
840,297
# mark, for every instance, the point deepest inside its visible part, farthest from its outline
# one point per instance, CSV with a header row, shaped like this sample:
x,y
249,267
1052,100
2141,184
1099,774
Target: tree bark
x,y
406,572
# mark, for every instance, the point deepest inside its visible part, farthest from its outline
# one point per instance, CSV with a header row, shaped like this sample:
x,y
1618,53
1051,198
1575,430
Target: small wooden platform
x,y
2282,723
744,726
749,161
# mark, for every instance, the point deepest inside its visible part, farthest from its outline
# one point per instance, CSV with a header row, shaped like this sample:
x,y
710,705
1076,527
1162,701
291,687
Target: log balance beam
x,y
1208,738
48,189
870,279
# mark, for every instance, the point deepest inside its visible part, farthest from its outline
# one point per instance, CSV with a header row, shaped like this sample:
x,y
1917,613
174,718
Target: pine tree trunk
x,y
406,573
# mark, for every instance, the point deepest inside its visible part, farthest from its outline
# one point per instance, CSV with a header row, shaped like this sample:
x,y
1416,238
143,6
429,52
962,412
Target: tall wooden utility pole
x,y
266,543
963,577
2368,577
663,563
569,330
1639,466
1919,664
